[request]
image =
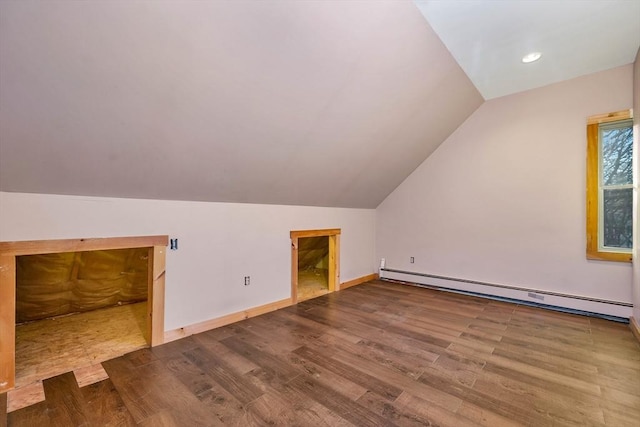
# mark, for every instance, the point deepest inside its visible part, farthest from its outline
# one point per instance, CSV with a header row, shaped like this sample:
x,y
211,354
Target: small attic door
x,y
314,253
155,247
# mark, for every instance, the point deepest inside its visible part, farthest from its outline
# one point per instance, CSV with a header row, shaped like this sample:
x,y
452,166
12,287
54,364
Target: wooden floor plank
x,y
485,417
284,407
327,377
356,363
345,408
65,405
34,415
215,399
231,380
554,407
104,405
281,370
159,392
364,379
234,360
375,354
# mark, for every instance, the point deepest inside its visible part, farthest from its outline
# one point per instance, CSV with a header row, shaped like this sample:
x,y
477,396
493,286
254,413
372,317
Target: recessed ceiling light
x,y
531,57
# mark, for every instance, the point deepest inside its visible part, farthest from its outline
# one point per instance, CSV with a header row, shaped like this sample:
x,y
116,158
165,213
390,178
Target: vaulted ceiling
x,y
488,38
320,103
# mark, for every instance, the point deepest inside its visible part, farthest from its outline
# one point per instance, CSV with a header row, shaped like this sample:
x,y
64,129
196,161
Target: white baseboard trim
x,y
592,305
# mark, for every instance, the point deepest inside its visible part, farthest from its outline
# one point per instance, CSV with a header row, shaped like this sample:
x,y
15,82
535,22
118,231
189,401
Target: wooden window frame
x,y
594,251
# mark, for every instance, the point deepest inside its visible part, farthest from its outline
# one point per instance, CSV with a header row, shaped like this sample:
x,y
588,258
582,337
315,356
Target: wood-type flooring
x,y
374,354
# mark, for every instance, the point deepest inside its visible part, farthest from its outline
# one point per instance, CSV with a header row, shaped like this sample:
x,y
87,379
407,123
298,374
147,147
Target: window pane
x,y
617,219
616,155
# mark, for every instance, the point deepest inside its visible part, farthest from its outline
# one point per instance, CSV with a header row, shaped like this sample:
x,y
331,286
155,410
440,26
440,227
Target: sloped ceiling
x,y
321,103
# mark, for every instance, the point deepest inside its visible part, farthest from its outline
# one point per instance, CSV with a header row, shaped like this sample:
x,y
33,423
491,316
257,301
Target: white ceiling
x,y
488,38
325,103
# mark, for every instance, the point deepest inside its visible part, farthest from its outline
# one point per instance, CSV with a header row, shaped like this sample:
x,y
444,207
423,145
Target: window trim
x,y
593,188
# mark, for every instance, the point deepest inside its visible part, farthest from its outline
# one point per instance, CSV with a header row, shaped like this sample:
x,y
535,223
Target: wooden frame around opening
x,y
10,250
334,258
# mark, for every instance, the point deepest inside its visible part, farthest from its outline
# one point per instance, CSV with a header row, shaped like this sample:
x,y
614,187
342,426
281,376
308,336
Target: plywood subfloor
x,y
372,355
46,348
312,283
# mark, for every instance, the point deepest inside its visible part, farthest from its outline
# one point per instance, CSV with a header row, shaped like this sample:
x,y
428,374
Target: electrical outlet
x,y
411,260
247,280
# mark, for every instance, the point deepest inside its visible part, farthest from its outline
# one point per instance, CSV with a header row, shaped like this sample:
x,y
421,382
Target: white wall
x,y
502,200
219,243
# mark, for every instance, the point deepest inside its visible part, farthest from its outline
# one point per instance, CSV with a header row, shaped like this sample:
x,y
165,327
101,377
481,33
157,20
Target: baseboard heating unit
x,y
618,311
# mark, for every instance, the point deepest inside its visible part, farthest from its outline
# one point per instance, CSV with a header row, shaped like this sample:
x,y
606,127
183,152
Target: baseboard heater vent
x,y
574,304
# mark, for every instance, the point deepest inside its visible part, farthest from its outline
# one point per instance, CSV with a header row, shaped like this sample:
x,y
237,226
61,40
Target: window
x,y
609,187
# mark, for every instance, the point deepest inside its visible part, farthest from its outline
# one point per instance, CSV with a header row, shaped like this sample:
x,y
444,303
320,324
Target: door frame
x,y
333,278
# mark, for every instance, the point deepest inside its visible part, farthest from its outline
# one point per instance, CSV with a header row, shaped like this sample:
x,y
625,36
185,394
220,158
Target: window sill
x,y
610,256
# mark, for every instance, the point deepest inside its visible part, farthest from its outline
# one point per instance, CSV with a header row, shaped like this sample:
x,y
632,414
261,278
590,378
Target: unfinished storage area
x,y
75,309
70,304
314,263
313,267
